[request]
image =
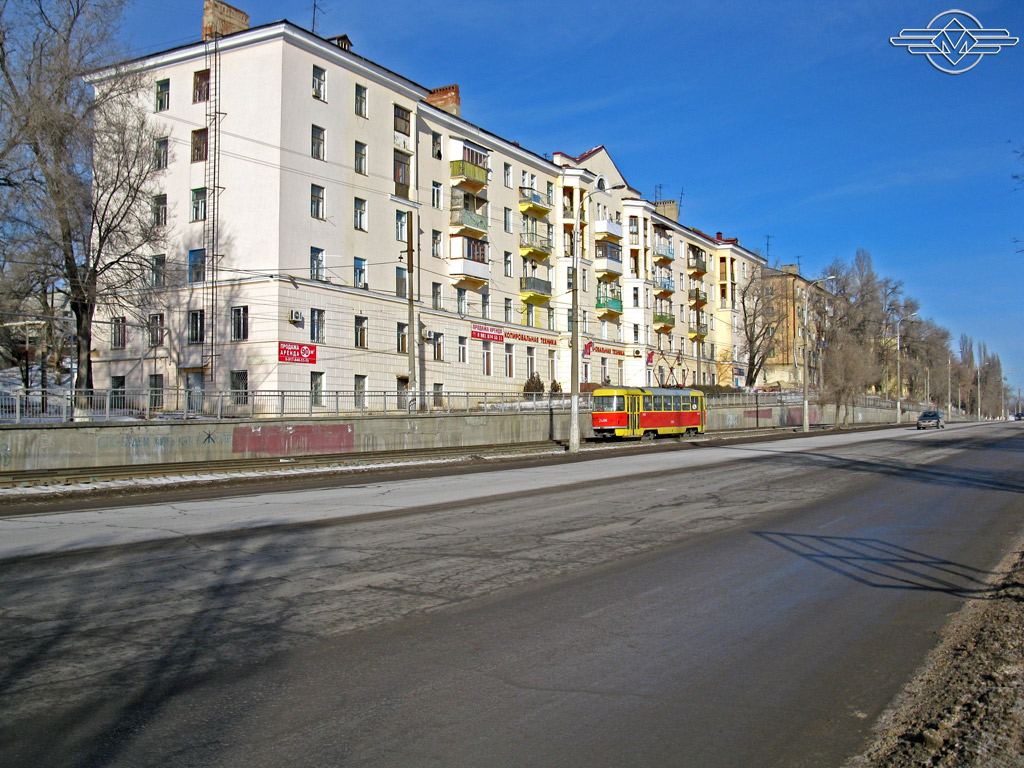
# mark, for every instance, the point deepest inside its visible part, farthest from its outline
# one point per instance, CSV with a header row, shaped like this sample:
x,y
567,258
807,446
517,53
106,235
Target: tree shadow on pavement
x,y
879,564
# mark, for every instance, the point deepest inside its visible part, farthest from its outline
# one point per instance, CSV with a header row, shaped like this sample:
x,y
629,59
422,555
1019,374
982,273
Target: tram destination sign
x,y
296,353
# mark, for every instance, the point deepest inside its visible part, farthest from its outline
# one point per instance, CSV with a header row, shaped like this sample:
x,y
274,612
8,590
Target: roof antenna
x,y
318,10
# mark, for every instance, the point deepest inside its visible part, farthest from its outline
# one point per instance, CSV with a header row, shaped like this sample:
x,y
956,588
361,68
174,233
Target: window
x,y
436,195
317,325
118,332
402,337
163,95
361,331
568,320
508,310
475,250
586,282
156,390
570,277
159,210
436,247
160,153
636,333
402,226
486,358
316,263
157,270
401,174
435,145
636,297
485,305
531,361
316,387
117,397
199,204
460,300
508,219
319,83
240,387
359,214
402,120
317,146
508,264
359,391
401,282
510,360
155,328
200,145
359,273
201,86
361,102
316,201
463,350
197,265
360,161
552,365
435,295
239,323
196,326
438,347
508,175
531,319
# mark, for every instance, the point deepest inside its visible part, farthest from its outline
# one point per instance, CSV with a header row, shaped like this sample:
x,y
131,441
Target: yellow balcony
x,y
664,285
533,290
697,330
532,201
470,174
605,229
534,246
664,322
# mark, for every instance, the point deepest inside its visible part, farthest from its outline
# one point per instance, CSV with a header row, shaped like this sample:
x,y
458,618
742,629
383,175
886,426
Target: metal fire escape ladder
x,y
211,312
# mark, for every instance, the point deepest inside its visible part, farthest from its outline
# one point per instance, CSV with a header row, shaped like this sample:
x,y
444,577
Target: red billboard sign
x,y
296,353
487,332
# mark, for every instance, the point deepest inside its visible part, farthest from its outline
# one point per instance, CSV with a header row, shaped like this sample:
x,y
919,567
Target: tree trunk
x,y
83,344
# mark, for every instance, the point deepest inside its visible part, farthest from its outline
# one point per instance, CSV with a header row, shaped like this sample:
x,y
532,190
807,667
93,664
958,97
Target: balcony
x,y
609,304
533,290
532,201
697,330
664,251
468,271
533,245
697,296
697,264
463,219
605,229
664,322
470,174
608,260
664,285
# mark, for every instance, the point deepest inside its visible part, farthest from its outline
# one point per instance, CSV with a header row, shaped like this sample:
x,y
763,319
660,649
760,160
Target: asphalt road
x,y
756,605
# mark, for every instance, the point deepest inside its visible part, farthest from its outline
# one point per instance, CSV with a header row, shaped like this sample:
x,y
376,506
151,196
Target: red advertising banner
x,y
296,353
488,333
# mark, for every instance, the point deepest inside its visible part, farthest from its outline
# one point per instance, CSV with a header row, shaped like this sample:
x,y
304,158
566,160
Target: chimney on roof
x,y
221,19
718,236
341,41
447,98
668,208
791,269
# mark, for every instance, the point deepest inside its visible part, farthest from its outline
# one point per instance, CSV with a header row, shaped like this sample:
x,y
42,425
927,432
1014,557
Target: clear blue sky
x,y
791,118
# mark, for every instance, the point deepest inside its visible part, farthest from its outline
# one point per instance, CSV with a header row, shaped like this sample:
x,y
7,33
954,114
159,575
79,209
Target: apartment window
x,y
401,174
636,297
163,95
361,100
359,391
485,305
460,300
239,323
508,175
196,326
401,282
316,263
636,333
463,349
361,331
570,276
435,295
508,219
508,264
531,361
359,273
475,250
160,153
156,390
200,145
402,337
316,201
436,244
438,347
160,210
157,270
199,204
155,329
508,310
201,86
316,387
360,161
240,387
510,360
586,281
317,142
319,83
552,365
402,120
486,358
118,332
402,226
436,195
197,265
435,145
317,325
531,312
359,214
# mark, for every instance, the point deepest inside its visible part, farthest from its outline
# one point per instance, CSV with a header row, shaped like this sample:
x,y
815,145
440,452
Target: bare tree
x,y
761,315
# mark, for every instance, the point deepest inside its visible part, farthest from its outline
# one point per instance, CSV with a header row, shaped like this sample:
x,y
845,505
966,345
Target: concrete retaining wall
x,y
751,417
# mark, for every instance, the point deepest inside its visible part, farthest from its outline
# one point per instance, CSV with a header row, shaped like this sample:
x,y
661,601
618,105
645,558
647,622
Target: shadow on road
x,y
879,564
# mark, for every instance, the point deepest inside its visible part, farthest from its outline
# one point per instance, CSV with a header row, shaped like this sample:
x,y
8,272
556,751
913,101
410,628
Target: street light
x,y
574,373
899,378
807,293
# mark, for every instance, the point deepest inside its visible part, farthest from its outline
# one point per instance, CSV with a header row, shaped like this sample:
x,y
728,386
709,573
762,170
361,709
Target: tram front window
x,y
609,403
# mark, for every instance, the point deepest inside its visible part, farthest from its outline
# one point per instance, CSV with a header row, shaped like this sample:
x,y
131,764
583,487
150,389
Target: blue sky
x,y
794,119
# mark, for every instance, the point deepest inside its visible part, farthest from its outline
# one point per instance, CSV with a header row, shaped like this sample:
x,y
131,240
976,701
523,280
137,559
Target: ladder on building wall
x,y
211,312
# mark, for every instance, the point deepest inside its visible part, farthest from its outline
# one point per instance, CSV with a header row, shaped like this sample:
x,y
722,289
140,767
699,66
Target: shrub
x,y
533,384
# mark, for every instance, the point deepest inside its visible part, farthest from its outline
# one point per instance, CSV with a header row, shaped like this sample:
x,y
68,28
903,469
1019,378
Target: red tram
x,y
633,412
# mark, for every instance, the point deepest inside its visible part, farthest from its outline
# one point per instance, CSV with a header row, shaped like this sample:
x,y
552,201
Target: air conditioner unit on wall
x,y
428,335
294,315
637,353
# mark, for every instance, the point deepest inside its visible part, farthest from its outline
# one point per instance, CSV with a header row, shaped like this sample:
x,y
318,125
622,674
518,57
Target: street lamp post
x,y
574,372
807,293
949,388
899,378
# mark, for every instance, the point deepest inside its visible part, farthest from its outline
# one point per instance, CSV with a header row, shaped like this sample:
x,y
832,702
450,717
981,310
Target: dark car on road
x,y
930,419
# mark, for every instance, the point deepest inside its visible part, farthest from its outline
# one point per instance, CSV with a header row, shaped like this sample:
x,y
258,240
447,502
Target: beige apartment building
x,y
302,213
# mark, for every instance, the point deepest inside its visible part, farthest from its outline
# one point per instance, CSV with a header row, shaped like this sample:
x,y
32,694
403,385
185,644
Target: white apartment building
x,y
300,179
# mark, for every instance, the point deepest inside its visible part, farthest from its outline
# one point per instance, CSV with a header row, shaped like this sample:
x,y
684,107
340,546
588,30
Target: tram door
x,y
633,413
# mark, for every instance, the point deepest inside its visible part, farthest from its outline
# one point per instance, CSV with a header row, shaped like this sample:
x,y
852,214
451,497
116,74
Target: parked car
x,y
1018,417
931,419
